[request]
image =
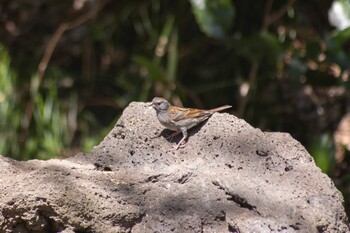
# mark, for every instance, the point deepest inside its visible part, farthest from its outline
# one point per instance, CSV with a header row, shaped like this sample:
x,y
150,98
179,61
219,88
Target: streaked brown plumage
x,y
181,119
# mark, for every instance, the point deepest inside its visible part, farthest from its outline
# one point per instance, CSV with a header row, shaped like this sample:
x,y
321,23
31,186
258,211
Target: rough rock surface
x,y
230,177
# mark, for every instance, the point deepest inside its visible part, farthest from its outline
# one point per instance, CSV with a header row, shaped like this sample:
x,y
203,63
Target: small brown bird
x,y
181,119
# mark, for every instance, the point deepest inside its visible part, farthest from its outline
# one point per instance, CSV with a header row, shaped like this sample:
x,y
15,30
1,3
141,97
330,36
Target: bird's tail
x,y
220,108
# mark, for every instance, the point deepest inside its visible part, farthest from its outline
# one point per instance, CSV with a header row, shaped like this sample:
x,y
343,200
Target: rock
x,y
230,177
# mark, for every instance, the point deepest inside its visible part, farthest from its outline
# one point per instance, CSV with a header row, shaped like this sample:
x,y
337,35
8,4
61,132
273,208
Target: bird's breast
x,y
166,122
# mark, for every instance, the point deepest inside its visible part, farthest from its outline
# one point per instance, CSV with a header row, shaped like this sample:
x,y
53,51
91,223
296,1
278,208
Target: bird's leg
x,y
180,144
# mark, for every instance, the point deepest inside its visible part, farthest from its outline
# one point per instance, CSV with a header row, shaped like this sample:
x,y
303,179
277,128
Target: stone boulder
x,y
230,177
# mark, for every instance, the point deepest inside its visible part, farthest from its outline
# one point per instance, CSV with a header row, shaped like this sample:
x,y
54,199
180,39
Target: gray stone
x,y
230,177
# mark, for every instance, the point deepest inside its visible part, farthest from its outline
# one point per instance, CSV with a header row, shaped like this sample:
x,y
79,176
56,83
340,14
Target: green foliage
x,y
263,46
52,127
346,7
322,150
213,17
10,114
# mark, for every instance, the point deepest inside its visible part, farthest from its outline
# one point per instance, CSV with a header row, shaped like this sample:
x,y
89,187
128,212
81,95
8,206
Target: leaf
x,y
321,151
340,37
214,17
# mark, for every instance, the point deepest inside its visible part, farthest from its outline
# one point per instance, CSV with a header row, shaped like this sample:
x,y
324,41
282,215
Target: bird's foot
x,y
177,146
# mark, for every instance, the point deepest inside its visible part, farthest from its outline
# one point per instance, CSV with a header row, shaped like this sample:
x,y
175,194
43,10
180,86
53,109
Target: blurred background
x,y
69,68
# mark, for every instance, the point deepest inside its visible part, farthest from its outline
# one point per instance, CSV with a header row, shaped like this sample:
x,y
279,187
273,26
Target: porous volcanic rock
x,y
230,177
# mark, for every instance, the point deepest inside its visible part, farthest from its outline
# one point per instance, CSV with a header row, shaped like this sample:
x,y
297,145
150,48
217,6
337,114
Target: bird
x,y
181,119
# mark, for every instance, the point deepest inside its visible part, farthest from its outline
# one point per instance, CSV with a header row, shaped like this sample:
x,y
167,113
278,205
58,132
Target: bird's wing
x,y
179,114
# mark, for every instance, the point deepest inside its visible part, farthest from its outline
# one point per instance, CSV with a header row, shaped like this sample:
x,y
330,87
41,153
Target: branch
x,y
57,36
